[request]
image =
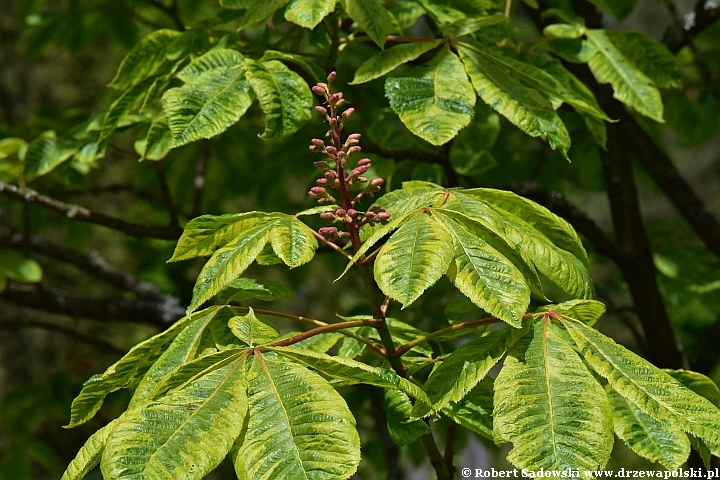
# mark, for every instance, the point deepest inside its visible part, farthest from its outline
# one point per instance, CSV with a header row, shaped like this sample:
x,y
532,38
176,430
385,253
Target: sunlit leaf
x,y
89,455
391,58
308,13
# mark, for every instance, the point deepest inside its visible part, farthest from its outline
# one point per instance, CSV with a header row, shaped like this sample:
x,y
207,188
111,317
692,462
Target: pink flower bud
x,y
341,153
352,212
321,165
333,121
321,181
383,216
340,102
364,162
340,212
331,150
354,136
334,98
331,76
330,175
327,215
362,179
318,89
348,112
317,192
321,110
328,232
377,182
352,141
315,148
318,142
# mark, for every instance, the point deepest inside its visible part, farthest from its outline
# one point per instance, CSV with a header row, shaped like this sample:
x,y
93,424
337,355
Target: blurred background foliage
x,y
77,294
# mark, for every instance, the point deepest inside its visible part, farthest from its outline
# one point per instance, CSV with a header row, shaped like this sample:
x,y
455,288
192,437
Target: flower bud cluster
x,y
336,155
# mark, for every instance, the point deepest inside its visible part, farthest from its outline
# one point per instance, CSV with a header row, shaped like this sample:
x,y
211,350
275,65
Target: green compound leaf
x,y
436,101
215,95
527,108
698,383
308,13
630,85
284,97
247,288
474,411
145,59
229,262
352,371
464,368
184,434
122,374
648,437
388,60
398,407
299,427
586,311
649,56
646,387
550,406
89,455
485,276
414,258
251,330
45,153
158,141
372,17
206,233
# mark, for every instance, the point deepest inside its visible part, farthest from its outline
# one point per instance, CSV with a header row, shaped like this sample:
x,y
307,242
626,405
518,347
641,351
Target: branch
x,y
559,205
97,342
104,309
167,197
684,31
93,264
77,212
441,158
332,327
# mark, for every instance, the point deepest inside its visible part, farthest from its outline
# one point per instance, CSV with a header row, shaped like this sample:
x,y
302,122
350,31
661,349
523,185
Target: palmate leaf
x,y
306,64
299,427
372,17
460,371
125,371
292,241
308,13
398,407
89,455
550,406
414,258
391,58
436,100
646,387
215,95
630,85
525,107
185,347
352,371
284,97
145,59
586,311
474,411
184,434
646,436
485,276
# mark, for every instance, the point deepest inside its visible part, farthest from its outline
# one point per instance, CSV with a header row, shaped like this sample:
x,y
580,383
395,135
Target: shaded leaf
x,y
251,330
257,11
649,56
398,407
474,411
145,59
284,97
372,17
247,288
214,97
391,58
436,100
45,153
310,67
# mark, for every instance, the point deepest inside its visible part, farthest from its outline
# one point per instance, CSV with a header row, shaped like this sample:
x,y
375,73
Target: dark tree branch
x,y
441,158
77,212
103,309
392,451
89,339
93,264
167,197
684,31
200,178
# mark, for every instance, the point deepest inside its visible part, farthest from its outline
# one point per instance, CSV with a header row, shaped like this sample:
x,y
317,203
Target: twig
x,y
684,31
436,459
167,197
331,245
333,327
450,446
77,212
403,349
97,342
104,309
